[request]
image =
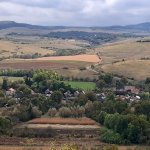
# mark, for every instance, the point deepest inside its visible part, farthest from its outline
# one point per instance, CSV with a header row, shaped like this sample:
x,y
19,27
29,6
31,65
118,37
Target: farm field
x,y
8,48
86,58
137,69
11,79
32,44
63,121
67,68
56,144
39,64
128,50
124,58
81,85
79,146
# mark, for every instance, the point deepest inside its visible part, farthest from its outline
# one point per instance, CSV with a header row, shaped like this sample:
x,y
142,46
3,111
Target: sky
x,y
76,12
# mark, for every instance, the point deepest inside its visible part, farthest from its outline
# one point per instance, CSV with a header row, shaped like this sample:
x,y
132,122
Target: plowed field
x,y
63,121
86,58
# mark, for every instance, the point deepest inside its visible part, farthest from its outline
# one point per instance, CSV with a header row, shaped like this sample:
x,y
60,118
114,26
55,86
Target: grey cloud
x,y
75,12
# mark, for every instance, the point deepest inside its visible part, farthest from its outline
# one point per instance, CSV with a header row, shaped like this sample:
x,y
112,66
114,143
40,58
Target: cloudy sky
x,y
76,12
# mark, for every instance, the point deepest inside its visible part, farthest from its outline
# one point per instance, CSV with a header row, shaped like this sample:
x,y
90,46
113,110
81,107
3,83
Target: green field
x,y
11,79
81,85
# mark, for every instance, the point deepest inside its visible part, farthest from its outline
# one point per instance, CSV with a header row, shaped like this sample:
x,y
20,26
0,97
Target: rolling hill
x,y
142,27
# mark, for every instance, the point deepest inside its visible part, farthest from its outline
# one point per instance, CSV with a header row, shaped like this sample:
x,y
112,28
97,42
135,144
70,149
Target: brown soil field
x,y
63,121
28,64
60,126
64,68
86,58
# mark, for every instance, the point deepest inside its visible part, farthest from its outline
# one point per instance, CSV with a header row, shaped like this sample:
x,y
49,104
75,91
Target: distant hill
x,y
12,24
137,27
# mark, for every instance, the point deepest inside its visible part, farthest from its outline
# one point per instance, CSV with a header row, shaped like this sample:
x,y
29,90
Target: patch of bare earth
x,y
63,121
86,58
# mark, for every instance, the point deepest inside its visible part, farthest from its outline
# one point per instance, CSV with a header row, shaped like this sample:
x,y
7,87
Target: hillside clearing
x,y
137,69
128,50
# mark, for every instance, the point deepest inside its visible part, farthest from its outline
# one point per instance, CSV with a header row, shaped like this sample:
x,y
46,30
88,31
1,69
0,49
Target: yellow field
x,y
138,69
11,79
8,48
128,50
32,46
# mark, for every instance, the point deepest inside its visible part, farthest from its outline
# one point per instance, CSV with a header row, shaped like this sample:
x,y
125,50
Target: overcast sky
x,y
76,12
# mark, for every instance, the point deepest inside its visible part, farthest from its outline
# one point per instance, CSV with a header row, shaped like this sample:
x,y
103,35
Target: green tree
x,y
57,97
5,125
121,106
143,108
5,84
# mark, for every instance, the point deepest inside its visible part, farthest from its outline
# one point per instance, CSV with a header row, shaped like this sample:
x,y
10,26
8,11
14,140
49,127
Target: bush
x,y
65,112
109,136
36,113
11,102
2,94
78,111
101,117
52,112
5,125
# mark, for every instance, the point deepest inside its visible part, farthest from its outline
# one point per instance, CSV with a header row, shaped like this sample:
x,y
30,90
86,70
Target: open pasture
x,y
11,79
29,45
128,50
137,69
81,85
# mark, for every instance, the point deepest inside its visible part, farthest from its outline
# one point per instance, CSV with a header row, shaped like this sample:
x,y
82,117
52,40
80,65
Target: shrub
x,y
5,125
11,102
110,136
78,111
52,112
36,113
2,94
65,112
101,117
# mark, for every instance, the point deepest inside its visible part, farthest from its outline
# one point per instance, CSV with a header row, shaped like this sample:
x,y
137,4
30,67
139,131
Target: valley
x,y
73,88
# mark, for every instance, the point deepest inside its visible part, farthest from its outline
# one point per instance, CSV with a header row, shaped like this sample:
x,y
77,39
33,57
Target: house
x,y
119,91
76,93
126,90
10,92
101,97
132,89
48,93
67,94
